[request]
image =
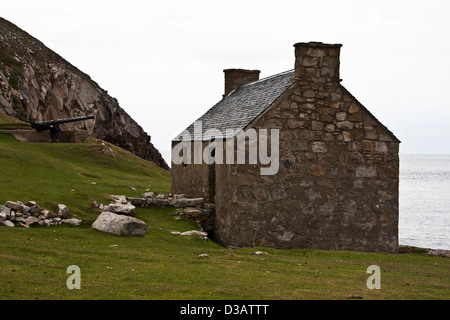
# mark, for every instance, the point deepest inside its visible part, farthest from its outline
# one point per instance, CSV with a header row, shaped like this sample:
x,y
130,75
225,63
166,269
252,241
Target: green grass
x,y
33,261
9,123
65,172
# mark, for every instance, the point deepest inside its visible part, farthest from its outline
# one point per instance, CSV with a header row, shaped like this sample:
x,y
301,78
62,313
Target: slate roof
x,y
241,106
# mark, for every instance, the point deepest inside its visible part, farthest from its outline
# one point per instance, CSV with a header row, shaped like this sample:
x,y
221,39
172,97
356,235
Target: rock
x,y
21,220
175,232
186,202
193,213
17,206
31,220
46,223
161,196
203,255
194,232
136,201
72,221
157,202
120,224
258,253
6,211
63,211
148,194
8,223
120,199
120,208
2,216
12,205
318,147
49,214
34,210
30,203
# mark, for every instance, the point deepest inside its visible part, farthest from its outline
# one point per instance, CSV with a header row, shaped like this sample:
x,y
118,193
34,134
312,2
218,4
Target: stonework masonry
x,y
337,184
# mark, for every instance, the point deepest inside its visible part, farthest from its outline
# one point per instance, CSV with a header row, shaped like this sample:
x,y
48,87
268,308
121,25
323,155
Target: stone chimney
x,y
236,77
317,62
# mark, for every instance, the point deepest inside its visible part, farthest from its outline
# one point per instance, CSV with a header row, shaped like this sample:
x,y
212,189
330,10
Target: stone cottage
x,y
335,183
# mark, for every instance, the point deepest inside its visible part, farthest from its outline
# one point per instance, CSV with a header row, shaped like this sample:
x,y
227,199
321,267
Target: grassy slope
x,y
7,123
33,261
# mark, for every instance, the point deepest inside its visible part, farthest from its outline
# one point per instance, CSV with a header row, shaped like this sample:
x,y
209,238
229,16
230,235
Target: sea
x,y
424,201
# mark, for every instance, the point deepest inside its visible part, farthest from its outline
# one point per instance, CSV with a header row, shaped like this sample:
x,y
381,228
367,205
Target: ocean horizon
x,y
424,200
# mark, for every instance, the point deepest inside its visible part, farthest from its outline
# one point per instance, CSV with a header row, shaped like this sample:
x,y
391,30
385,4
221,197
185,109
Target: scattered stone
x,y
29,213
49,214
12,205
148,194
8,223
193,212
120,224
119,199
136,201
203,255
194,232
63,211
161,202
31,220
120,208
258,253
72,221
6,211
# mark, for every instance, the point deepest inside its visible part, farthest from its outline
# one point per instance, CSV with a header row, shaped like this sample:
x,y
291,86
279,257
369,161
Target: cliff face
x,y
36,84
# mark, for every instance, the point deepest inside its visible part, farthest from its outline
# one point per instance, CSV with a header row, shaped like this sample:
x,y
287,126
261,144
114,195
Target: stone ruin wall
x,y
193,180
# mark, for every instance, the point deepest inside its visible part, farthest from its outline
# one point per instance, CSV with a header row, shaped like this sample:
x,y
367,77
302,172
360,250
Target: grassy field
x,y
34,261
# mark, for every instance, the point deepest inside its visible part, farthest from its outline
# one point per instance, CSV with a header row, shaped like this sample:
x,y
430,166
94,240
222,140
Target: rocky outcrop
x,y
37,84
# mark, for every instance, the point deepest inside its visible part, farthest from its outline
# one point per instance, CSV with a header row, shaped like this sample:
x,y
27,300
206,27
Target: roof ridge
x,y
268,78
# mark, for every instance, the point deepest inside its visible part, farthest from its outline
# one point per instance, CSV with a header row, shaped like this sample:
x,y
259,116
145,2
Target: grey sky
x,y
164,60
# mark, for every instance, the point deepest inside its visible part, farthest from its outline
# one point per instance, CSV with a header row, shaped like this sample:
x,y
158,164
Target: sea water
x,y
424,201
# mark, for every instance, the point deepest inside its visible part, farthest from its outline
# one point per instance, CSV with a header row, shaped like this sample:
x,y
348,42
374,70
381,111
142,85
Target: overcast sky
x,y
164,60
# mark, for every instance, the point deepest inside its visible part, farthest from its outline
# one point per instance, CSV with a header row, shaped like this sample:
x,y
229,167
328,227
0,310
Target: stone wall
x,y
337,186
193,180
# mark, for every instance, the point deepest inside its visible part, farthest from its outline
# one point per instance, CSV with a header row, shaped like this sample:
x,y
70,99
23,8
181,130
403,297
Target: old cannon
x,y
53,126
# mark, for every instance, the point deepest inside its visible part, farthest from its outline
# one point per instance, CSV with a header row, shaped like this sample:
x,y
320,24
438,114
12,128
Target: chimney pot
x,y
236,77
317,62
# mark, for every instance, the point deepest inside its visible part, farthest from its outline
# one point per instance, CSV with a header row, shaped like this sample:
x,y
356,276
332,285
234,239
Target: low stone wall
x,y
194,208
30,213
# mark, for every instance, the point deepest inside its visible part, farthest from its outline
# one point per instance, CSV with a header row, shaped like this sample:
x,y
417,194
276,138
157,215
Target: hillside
x,y
74,174
37,84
